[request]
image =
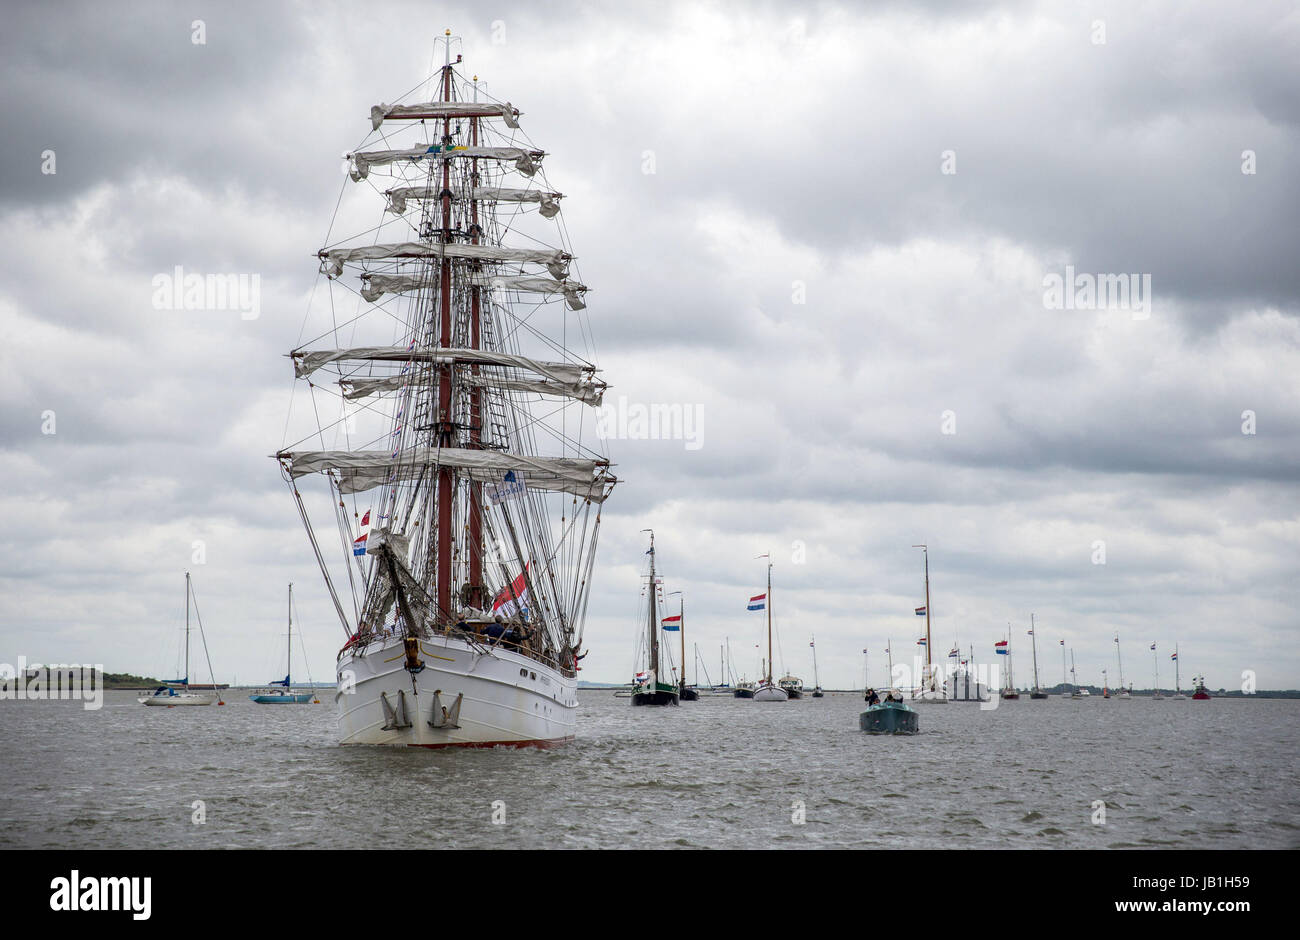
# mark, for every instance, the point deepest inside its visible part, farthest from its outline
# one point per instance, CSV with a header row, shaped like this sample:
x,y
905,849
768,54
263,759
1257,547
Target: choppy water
x,y
717,773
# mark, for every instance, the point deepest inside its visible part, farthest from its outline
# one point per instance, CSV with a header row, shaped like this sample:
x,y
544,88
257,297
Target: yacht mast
x,y
1034,638
929,669
187,631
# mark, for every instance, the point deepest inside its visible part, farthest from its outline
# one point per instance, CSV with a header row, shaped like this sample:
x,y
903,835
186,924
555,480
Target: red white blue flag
x,y
513,598
920,611
758,602
1001,647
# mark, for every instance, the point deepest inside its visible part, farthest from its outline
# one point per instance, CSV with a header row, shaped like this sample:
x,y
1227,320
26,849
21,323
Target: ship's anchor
x,y
442,718
394,718
413,662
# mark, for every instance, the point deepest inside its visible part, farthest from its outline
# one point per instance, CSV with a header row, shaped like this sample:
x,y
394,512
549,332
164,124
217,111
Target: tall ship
x,y
766,690
653,685
445,420
1003,648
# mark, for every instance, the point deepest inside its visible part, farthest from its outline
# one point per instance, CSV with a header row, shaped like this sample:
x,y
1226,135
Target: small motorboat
x,y
892,716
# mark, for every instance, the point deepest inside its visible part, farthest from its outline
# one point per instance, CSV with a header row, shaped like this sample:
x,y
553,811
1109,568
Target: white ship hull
x,y
508,699
770,693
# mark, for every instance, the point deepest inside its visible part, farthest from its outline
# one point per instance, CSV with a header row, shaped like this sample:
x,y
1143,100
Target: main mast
x,y
187,630
288,663
1120,660
769,619
445,425
653,625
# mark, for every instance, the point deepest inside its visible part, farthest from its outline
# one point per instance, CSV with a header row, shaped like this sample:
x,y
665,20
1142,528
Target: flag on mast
x,y
513,598
758,602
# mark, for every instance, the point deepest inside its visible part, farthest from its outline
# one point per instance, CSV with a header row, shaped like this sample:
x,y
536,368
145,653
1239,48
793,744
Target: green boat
x,y
888,718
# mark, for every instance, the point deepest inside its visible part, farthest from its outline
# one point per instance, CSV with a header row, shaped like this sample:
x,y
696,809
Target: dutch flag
x,y
1001,647
359,544
672,623
920,611
758,602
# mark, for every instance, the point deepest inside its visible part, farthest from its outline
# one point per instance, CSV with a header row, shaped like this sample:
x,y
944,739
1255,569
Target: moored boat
x,y
766,690
282,692
930,691
179,692
649,685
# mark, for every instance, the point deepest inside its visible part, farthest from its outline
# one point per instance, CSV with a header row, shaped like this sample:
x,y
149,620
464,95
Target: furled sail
x,y
548,202
333,259
442,109
526,161
587,392
571,290
357,471
375,286
305,363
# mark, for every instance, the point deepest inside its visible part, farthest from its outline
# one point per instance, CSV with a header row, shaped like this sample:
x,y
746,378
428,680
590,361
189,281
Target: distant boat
x,y
167,695
1178,693
1038,690
767,690
793,687
285,695
1202,694
929,692
1075,692
817,686
1003,648
892,716
1105,689
1156,694
744,689
647,687
1123,690
684,694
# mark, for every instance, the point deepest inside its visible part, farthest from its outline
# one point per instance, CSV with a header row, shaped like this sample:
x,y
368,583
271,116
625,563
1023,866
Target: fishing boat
x,y
766,690
745,689
283,693
179,691
650,686
1124,693
793,687
1178,692
450,404
930,691
1201,693
817,685
1037,692
1003,648
891,716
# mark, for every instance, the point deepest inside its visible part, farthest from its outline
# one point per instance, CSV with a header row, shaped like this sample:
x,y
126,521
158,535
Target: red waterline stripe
x,y
550,742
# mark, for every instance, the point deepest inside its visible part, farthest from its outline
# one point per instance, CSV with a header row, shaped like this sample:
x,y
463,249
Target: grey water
x,y
718,773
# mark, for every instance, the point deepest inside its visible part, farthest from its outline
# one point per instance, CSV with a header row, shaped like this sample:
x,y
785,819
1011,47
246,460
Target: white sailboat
x,y
767,690
450,403
168,695
1155,657
1074,681
930,691
1178,692
1123,689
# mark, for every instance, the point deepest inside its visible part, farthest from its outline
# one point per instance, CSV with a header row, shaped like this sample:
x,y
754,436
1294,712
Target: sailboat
x,y
1074,680
450,396
1123,690
930,691
1037,690
167,695
1155,657
678,624
1065,675
817,685
1003,648
767,690
1178,692
649,686
285,695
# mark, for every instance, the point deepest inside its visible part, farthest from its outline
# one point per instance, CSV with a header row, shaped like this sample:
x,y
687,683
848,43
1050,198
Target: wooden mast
x,y
446,479
769,618
476,594
1033,636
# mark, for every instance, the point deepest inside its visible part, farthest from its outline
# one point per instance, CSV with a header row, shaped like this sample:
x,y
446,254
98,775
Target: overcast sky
x,y
793,152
